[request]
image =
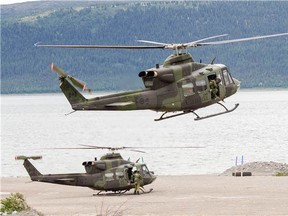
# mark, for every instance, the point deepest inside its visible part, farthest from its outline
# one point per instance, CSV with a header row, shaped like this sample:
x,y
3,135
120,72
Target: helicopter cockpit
x,y
142,168
148,176
225,82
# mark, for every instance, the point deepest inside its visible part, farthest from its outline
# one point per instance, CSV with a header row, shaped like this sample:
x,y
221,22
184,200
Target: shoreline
x,y
172,195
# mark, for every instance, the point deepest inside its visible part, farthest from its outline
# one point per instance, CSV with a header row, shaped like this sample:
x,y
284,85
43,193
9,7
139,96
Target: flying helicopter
x,y
110,173
180,84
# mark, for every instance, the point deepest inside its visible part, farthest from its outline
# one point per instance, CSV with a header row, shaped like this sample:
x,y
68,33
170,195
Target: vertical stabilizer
x,y
67,84
32,171
72,94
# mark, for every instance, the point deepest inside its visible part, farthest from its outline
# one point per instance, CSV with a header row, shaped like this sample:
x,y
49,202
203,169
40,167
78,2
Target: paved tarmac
x,y
172,195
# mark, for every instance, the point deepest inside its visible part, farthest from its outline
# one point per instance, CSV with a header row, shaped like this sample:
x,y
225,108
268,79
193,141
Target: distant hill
x,y
25,68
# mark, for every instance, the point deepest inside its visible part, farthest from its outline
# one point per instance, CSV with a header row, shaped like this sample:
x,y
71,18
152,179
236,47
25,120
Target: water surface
x,y
33,124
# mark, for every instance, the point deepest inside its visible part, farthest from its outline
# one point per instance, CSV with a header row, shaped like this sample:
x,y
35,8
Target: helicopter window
x,y
145,170
188,88
109,176
201,85
119,174
218,79
212,77
227,77
129,173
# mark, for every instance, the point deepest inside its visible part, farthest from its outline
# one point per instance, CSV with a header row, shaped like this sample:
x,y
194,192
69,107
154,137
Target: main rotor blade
x,y
73,148
172,147
185,44
96,147
241,39
135,150
113,148
140,147
204,39
164,45
104,147
97,46
152,42
132,148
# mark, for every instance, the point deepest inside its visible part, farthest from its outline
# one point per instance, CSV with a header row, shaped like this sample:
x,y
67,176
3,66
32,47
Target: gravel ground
x,y
261,194
258,168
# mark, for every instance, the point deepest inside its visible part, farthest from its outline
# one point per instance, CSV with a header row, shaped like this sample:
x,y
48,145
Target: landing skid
x,y
163,117
119,193
220,113
145,192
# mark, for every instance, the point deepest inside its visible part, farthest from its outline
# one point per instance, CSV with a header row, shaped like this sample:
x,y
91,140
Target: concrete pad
x,y
172,195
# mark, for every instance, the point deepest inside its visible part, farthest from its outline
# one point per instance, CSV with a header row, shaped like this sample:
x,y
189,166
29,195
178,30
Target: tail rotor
x,y
78,83
22,157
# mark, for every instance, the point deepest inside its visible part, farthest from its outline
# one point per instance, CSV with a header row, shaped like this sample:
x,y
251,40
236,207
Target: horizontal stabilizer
x,y
22,157
120,104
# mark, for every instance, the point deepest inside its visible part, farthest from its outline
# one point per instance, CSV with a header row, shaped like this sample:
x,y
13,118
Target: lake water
x,y
35,124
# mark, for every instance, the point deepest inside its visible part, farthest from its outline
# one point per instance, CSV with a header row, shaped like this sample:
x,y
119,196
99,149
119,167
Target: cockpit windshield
x,y
145,170
227,77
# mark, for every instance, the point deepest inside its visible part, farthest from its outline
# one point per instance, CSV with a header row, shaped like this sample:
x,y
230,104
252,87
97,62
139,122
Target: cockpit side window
x,y
188,88
201,85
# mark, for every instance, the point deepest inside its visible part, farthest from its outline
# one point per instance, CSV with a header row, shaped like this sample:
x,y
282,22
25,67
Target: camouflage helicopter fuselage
x,y
110,173
180,84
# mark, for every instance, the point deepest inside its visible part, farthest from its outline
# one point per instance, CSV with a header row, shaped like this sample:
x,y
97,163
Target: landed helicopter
x,y
110,173
179,85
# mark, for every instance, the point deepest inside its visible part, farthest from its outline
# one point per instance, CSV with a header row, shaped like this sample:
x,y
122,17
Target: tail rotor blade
x,y
22,157
58,70
80,84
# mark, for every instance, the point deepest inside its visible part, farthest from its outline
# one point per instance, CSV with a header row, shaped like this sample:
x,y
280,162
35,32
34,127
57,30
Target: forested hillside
x,y
25,68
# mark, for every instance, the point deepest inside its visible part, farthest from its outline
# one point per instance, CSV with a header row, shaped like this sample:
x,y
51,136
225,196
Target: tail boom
x,y
133,100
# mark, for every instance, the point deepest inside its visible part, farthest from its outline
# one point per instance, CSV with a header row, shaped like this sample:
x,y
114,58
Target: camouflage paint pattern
x,y
107,174
164,88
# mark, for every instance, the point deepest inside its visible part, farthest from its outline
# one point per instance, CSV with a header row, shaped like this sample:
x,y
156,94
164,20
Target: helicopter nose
x,y
153,177
237,83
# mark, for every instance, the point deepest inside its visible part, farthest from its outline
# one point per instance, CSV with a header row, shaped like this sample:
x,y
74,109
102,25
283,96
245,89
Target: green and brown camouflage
x,y
110,173
180,84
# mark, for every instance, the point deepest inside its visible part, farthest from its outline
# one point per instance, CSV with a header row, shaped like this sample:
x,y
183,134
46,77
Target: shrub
x,y
15,202
282,174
